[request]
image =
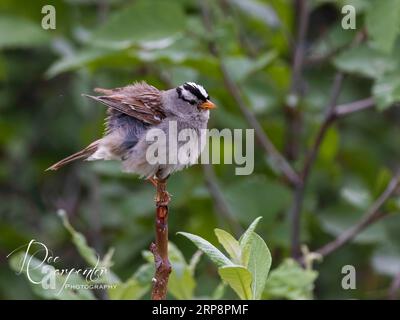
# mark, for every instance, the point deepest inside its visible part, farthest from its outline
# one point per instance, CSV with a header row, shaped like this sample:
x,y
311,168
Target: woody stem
x,y
160,247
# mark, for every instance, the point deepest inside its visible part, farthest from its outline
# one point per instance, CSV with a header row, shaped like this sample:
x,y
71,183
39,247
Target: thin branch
x,y
319,59
160,247
292,112
281,163
298,58
277,158
333,113
372,215
359,105
220,203
296,210
329,117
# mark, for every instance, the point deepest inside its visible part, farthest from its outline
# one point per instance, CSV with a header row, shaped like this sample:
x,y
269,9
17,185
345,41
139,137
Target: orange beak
x,y
208,105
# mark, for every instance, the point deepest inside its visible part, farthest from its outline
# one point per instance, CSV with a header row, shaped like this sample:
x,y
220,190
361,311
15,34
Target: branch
x,y
329,117
298,58
359,105
281,163
319,59
292,112
269,148
372,215
220,204
309,161
160,247
333,113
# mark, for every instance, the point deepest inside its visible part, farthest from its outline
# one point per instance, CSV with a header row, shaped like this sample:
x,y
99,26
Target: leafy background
x,y
112,43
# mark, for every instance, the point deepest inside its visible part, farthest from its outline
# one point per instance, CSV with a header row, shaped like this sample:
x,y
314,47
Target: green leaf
x,y
230,244
356,195
145,21
364,61
91,58
290,281
253,196
136,286
129,290
259,265
386,90
181,283
16,32
239,279
41,273
195,259
212,252
383,178
383,23
219,291
338,218
241,68
246,241
261,11
329,145
333,40
88,253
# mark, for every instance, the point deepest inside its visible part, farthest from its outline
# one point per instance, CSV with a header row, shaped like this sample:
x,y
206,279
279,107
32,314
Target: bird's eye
x,y
192,102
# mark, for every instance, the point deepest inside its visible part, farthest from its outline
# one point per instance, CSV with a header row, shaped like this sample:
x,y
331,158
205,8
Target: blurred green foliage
x,y
112,43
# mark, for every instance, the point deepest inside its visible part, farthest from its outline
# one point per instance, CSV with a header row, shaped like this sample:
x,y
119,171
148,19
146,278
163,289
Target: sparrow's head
x,y
195,95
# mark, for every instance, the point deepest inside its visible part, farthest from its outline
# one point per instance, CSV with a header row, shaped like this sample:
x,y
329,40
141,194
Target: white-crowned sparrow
x,y
133,111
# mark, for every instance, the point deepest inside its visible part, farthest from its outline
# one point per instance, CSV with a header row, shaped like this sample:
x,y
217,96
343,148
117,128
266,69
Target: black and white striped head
x,y
195,95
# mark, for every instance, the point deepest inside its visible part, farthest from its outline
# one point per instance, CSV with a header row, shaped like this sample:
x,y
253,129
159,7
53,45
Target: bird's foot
x,y
162,197
153,181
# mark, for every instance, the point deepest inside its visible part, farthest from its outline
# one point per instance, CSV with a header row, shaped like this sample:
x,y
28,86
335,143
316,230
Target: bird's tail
x,y
83,154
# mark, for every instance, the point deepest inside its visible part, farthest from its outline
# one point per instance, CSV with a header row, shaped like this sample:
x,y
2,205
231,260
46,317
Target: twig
x,y
319,59
160,247
309,161
372,215
219,201
298,58
333,113
329,117
292,112
277,158
359,105
281,163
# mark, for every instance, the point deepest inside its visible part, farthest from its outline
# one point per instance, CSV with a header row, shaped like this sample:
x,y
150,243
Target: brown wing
x,y
140,101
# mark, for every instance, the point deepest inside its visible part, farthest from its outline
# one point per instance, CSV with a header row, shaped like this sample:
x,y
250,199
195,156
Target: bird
x,y
134,110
